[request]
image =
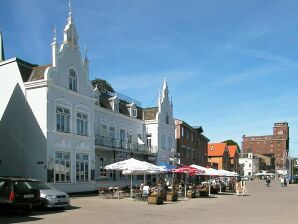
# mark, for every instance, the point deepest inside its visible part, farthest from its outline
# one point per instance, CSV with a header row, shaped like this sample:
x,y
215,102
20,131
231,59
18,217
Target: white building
x,y
249,164
55,120
160,127
59,129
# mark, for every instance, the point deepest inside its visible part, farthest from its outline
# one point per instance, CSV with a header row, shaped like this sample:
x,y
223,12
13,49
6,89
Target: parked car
x,y
51,197
293,180
18,193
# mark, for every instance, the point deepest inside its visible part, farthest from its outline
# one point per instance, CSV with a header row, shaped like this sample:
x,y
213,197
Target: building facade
x,y
249,164
234,157
192,145
63,131
160,127
275,146
219,156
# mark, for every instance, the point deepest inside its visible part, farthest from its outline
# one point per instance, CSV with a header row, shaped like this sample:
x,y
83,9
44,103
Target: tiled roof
x,y
216,149
232,150
150,113
38,73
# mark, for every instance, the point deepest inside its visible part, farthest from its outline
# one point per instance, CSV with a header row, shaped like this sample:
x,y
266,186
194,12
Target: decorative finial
x,y
55,33
69,7
69,11
85,52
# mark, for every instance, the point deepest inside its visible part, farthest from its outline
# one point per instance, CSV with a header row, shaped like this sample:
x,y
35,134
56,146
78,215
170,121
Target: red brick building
x,y
275,146
234,157
192,145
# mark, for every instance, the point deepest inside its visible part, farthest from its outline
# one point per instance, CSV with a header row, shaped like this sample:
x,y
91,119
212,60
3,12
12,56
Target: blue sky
x,y
231,66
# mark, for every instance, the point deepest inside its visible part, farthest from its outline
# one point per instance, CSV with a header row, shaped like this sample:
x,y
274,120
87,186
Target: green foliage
x,y
231,142
102,85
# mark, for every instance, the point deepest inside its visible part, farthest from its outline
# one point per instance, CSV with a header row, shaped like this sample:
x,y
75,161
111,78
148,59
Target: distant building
x,y
275,146
234,157
219,156
249,164
192,145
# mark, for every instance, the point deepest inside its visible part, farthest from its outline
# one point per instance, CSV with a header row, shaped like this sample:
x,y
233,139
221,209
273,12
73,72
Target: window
x,y
167,119
62,119
62,166
148,140
192,155
163,141
134,112
103,129
82,167
112,135
102,170
182,131
82,123
72,80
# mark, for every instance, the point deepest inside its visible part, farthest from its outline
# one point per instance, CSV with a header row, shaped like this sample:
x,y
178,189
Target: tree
x,y
231,142
102,85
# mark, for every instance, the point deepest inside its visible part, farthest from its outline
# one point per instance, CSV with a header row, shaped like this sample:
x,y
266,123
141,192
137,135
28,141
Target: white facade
x,y
161,130
52,123
250,164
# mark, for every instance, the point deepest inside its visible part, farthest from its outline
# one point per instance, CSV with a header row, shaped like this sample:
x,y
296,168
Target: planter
x,y
157,200
191,194
204,193
172,197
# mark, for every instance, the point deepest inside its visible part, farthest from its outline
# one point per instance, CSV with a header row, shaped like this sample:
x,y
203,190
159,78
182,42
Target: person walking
x,y
268,182
282,181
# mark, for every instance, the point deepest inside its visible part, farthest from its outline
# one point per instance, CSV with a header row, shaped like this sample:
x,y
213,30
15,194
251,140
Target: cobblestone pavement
x,y
264,205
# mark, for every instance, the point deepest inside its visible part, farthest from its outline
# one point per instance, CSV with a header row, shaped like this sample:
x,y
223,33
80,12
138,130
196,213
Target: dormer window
x,y
72,80
134,112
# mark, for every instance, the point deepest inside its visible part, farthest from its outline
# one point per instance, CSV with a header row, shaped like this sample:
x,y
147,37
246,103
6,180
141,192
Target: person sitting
x,y
146,190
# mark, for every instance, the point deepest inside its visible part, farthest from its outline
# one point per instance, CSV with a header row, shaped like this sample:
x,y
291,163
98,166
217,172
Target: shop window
x,y
62,166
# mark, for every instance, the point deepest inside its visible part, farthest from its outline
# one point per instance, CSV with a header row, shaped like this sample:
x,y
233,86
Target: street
x,y
274,204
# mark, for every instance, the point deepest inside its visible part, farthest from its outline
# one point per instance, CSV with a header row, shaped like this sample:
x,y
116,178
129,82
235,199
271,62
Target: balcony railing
x,y
121,144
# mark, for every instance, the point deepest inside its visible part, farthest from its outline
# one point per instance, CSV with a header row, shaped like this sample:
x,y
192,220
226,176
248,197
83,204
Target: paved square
x,y
264,205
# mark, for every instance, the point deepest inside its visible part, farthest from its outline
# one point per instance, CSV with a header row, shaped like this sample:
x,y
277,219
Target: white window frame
x,y
72,80
82,122
134,112
86,173
61,163
66,120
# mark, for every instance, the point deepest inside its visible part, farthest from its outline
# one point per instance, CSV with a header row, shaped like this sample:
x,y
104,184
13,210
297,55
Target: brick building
x,y
275,146
234,157
192,145
219,156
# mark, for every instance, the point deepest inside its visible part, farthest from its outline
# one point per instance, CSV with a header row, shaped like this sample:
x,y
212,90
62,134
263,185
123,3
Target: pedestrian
x,y
282,181
285,182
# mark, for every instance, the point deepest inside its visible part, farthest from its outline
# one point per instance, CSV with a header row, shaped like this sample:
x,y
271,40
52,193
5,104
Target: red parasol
x,y
188,169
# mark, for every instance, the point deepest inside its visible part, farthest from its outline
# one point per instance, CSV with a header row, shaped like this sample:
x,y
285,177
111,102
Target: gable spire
x,y
165,90
70,34
2,57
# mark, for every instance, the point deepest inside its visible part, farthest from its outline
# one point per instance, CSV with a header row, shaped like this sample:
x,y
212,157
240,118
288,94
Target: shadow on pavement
x,y
17,216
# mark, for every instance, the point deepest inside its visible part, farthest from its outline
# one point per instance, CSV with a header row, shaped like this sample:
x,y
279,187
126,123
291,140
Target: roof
x,y
38,73
25,69
150,113
232,150
216,149
123,109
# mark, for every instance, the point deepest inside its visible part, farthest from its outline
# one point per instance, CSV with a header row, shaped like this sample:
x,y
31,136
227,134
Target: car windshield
x,y
43,186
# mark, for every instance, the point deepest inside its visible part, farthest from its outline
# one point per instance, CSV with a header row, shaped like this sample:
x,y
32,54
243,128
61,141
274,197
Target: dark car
x,y
18,193
293,180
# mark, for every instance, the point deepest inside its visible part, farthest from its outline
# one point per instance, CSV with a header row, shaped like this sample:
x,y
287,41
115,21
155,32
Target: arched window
x,y
72,80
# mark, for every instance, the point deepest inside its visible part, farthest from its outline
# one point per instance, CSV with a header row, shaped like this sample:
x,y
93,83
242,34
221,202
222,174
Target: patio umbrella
x,y
188,170
131,166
